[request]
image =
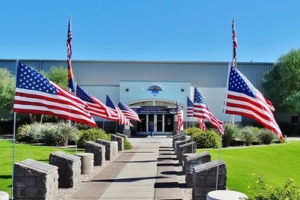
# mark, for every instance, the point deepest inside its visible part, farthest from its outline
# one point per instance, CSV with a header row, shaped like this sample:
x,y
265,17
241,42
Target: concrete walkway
x,y
146,172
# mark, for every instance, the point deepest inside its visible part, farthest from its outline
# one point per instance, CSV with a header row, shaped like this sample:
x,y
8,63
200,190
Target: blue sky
x,y
153,30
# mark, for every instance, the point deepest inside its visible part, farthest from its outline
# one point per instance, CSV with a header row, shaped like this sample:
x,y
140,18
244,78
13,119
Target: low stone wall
x,y
35,180
189,162
108,148
121,135
177,138
180,142
205,176
185,148
69,168
120,141
98,150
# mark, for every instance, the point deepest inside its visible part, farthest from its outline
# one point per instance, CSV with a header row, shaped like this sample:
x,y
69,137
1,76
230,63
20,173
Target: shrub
x,y
207,139
29,133
192,131
230,133
266,136
127,144
66,133
49,133
262,191
91,135
249,134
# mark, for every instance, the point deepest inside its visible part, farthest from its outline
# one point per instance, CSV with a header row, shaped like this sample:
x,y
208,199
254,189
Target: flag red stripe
x,y
27,103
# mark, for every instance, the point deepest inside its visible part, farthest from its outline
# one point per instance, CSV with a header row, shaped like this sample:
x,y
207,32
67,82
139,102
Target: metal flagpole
x,y
219,157
13,157
72,86
14,141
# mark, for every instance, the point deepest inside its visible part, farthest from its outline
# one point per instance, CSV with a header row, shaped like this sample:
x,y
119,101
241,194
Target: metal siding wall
x,y
202,74
111,73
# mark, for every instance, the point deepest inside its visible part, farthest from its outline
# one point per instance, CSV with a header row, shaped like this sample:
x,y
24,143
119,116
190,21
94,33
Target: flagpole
x,y
234,44
14,142
71,82
219,158
13,157
234,60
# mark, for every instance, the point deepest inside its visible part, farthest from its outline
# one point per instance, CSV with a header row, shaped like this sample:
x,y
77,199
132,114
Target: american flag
x,y
116,110
190,108
234,40
95,107
128,112
202,125
202,111
71,83
180,120
36,94
245,100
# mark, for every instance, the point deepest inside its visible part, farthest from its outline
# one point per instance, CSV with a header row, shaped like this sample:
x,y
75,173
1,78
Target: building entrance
x,y
163,124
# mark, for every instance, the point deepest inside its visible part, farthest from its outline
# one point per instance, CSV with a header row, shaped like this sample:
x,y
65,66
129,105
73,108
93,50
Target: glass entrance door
x,y
159,123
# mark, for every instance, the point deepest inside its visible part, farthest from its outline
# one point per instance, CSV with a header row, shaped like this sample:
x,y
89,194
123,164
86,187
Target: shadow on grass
x,y
5,176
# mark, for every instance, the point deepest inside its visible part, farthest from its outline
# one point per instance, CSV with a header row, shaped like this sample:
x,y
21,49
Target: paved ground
x,y
147,172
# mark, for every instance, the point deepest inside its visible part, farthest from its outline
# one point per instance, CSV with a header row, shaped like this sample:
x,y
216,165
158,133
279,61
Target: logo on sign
x,y
155,89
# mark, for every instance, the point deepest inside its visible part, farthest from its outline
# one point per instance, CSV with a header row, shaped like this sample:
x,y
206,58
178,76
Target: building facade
x,y
153,89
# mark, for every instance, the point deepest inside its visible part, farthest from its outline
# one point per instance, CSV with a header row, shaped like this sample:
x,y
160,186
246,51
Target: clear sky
x,y
149,30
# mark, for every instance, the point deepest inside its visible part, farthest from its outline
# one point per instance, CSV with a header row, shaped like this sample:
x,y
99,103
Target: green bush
x,y
91,135
207,139
266,136
249,134
66,133
127,144
49,133
230,133
262,191
29,133
192,131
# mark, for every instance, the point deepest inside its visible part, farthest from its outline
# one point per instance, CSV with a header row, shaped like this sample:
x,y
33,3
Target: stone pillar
x,y
98,150
108,148
189,162
35,180
204,178
120,141
87,162
114,148
4,195
127,132
69,168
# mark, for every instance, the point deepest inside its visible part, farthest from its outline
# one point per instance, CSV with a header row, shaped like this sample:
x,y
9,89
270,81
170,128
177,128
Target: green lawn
x,y
276,162
22,152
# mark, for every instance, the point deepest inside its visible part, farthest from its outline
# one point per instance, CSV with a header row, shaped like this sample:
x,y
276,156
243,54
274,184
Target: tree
x,y
282,83
58,75
7,89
